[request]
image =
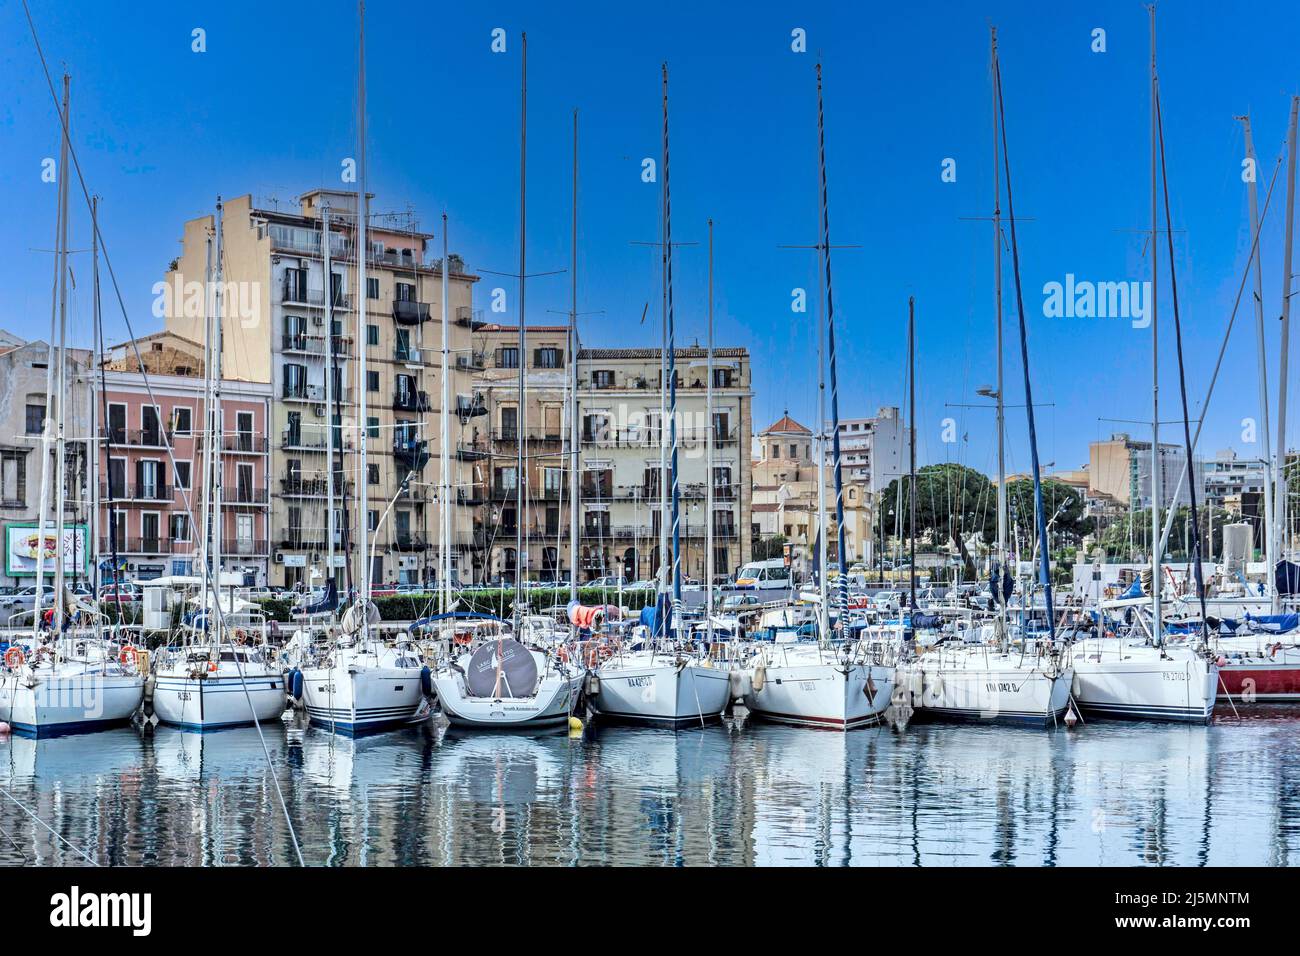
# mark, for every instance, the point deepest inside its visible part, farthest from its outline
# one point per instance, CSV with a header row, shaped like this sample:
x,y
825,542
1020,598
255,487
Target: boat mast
x,y
1270,530
674,475
1280,495
661,572
842,589
708,459
363,218
1156,615
60,397
999,574
444,439
573,384
911,456
329,398
823,588
53,355
216,430
520,420
92,442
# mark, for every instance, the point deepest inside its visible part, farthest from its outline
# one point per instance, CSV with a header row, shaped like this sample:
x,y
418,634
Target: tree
x,y
1071,521
952,501
765,549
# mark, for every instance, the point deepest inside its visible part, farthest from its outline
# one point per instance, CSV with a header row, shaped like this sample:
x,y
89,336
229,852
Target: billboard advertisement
x,y
25,551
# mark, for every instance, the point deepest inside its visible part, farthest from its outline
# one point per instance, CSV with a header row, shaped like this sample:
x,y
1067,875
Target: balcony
x,y
241,495
140,438
150,544
469,318
244,547
472,451
473,362
294,292
412,451
469,407
316,345
470,497
410,312
155,491
410,356
504,492
411,401
306,486
302,392
597,490
308,539
533,437
243,443
406,541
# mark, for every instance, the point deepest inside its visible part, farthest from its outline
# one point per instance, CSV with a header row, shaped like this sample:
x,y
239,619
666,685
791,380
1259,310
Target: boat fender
x,y
295,684
760,678
426,680
736,680
1222,661
1075,689
4,727
593,684
917,687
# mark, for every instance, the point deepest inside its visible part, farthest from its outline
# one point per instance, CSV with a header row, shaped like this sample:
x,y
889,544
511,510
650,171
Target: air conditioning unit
x,y
414,356
319,410
279,557
317,320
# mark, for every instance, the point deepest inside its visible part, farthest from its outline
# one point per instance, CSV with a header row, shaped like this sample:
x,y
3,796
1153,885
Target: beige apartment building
x,y
620,406
281,326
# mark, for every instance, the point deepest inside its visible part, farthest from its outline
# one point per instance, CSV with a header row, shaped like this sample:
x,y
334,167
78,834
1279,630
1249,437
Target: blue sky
x,y
269,108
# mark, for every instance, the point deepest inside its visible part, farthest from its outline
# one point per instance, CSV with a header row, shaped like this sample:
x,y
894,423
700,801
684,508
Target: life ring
x,y
212,667
14,658
128,656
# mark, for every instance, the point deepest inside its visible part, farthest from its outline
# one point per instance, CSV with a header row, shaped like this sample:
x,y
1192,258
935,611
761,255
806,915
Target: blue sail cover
x,y
650,617
1134,589
329,601
1286,576
1272,623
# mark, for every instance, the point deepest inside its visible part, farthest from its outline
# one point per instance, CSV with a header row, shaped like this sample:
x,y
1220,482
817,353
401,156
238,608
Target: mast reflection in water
x,y
732,794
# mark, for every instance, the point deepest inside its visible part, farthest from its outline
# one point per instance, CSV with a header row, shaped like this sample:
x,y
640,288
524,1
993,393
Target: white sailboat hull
x,y
988,687
362,700
1137,683
216,701
828,695
49,704
551,706
660,692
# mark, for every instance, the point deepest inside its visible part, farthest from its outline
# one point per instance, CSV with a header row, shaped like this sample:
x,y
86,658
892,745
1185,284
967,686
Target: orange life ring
x,y
14,657
212,667
128,656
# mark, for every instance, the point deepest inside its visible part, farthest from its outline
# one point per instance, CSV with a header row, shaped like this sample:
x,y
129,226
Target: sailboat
x,y
359,683
509,679
839,682
72,678
1157,678
668,681
223,673
1031,683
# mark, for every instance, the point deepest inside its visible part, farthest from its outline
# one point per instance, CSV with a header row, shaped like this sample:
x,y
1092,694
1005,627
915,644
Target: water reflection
x,y
738,793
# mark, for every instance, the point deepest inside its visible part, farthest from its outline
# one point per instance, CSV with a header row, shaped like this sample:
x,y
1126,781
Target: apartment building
x,y
620,416
24,371
874,451
1121,468
301,325
151,492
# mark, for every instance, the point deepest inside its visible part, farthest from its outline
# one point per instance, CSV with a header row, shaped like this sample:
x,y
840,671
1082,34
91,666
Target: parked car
x,y
126,592
889,601
20,604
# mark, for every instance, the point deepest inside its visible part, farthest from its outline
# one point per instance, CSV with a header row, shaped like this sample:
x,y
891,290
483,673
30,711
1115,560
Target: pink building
x,y
143,496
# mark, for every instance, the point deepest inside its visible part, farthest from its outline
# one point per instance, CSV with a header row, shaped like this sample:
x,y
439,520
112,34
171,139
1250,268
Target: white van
x,y
764,575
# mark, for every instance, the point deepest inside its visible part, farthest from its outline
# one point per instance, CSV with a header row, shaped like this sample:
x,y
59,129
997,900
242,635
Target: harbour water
x,y
741,793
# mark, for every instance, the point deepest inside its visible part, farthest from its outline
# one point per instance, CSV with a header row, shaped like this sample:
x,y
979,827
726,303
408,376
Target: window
x,y
548,357
722,378
602,378
151,431
183,474
117,478
244,430
293,432
13,478
508,357
372,332
372,520
182,420
721,426
295,381
372,287
117,423
148,479
553,481
372,474
509,421
372,381
244,483
35,419
794,451
178,527
244,533
372,427
404,292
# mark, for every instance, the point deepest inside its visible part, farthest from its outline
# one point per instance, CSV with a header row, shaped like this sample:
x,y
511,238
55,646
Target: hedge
x,y
408,607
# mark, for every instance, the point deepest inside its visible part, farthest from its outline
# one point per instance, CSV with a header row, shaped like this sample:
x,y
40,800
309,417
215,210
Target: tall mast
x,y
911,462
708,458
59,406
997,298
573,383
444,440
822,545
842,596
1280,497
674,475
1270,530
520,424
216,430
329,397
1157,625
363,218
92,442
661,572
